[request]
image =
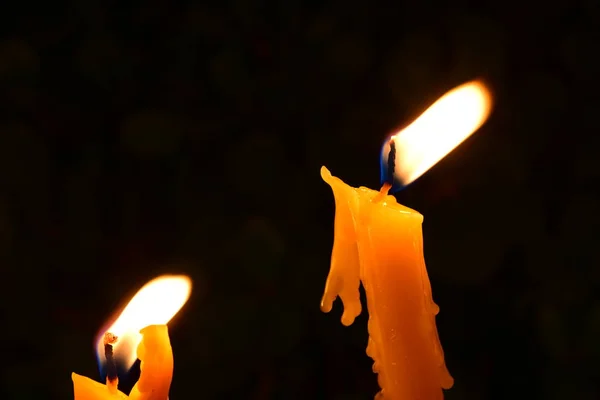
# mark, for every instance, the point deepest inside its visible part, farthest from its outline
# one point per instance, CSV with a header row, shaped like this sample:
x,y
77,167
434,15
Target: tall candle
x,y
379,242
139,332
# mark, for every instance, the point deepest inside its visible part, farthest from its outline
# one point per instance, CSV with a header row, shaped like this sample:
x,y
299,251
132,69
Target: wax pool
x,y
379,242
156,371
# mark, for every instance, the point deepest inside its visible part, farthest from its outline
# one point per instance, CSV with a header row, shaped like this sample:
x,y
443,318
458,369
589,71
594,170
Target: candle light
x,y
139,332
379,242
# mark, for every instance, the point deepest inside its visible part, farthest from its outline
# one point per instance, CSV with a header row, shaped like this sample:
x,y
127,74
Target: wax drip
x,y
112,379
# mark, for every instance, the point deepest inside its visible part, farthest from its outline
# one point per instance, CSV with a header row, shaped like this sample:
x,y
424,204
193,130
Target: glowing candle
x,y
379,242
139,332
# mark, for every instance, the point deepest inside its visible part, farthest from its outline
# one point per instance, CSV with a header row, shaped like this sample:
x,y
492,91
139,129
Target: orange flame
x,y
154,304
439,130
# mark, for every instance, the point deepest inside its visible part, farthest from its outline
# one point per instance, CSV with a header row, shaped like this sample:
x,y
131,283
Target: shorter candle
x,y
139,332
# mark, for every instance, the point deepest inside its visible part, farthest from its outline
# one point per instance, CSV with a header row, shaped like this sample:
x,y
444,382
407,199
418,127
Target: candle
x,y
139,332
379,242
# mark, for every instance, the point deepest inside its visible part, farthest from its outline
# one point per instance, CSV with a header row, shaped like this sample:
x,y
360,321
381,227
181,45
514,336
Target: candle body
x,y
88,389
156,373
379,242
156,368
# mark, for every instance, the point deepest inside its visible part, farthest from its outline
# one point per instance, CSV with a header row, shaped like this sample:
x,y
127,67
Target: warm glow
x,y
440,129
154,304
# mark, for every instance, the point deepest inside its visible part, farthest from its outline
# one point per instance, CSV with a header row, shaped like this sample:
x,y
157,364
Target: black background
x,y
149,137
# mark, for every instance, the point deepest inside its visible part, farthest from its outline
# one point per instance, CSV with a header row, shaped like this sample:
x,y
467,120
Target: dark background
x,y
149,137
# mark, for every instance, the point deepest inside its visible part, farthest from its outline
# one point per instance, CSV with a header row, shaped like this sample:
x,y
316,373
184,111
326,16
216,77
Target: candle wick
x,y
391,164
385,189
112,378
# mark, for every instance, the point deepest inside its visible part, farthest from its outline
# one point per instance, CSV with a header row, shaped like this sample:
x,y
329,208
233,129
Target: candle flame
x,y
156,303
456,115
